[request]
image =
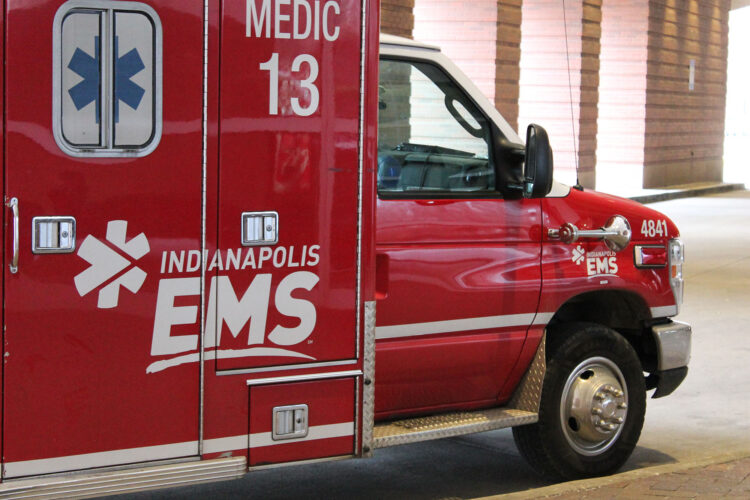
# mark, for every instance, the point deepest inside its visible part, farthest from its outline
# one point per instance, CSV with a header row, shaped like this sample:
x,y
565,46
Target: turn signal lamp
x,y
676,259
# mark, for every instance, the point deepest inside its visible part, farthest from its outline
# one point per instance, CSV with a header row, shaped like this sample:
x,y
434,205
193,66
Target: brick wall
x,y
508,69
483,38
397,17
632,58
559,82
684,129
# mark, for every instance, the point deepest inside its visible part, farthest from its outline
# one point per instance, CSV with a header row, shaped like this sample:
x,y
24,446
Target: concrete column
x,y
560,78
482,37
397,17
622,96
663,93
508,66
685,107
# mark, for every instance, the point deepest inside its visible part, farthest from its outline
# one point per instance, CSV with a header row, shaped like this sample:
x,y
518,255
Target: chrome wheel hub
x,y
593,406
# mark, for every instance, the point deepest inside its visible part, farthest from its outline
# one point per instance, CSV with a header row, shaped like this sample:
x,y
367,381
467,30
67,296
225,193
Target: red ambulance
x,y
221,216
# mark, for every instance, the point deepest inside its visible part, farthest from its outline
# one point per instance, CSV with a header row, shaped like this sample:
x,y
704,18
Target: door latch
x,y
289,422
53,234
260,228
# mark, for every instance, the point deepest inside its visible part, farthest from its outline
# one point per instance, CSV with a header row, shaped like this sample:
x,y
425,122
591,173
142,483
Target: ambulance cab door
x,y
103,178
458,250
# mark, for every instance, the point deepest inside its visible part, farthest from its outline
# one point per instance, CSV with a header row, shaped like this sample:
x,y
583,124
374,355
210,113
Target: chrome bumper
x,y
673,349
672,344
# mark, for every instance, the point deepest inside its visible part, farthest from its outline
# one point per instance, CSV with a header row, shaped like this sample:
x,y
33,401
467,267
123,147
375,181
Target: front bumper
x,y
673,349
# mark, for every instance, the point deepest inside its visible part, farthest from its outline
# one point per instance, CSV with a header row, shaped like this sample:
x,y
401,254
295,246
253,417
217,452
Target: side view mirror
x,y
537,172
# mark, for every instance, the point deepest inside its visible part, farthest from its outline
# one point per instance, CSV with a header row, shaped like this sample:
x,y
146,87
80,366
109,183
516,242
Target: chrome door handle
x,y
13,205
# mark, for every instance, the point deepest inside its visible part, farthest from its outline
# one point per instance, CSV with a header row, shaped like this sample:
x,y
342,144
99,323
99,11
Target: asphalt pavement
x,y
704,420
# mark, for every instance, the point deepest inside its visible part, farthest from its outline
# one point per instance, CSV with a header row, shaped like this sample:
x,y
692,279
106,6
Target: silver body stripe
x,y
100,459
461,325
302,378
543,318
261,439
152,453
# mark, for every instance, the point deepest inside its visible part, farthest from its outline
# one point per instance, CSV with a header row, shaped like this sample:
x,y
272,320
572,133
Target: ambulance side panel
x,y
286,128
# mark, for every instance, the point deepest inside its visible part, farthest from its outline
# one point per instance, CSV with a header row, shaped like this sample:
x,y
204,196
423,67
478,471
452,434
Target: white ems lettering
x,y
298,19
601,265
225,307
167,316
295,308
252,308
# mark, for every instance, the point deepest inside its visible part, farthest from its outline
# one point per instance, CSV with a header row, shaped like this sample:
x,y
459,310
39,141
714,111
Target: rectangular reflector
x,y
650,256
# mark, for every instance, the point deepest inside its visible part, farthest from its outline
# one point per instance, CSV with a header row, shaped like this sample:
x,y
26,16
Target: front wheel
x,y
592,406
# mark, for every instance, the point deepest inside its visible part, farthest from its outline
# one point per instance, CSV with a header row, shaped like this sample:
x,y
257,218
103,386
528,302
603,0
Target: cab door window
x,y
431,136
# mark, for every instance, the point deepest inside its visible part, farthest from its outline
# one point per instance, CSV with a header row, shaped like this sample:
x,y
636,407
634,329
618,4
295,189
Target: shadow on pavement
x,y
464,467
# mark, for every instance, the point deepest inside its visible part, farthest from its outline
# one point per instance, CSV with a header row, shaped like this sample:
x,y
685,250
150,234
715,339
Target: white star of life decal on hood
x,y
578,255
106,263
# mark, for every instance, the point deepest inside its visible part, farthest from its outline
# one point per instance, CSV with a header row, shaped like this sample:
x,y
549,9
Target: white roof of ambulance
x,y
391,45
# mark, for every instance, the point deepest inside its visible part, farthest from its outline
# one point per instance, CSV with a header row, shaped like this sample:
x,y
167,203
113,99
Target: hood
x,y
591,210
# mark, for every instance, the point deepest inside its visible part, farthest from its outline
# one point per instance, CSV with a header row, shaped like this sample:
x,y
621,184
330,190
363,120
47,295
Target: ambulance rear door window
x,y
107,79
81,108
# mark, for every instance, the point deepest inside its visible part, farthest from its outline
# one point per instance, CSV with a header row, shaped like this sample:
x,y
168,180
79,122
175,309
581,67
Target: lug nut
x,y
596,411
599,395
617,393
611,427
623,406
619,420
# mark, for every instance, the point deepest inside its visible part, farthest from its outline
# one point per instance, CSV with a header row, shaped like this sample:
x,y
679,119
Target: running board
x,y
413,430
96,484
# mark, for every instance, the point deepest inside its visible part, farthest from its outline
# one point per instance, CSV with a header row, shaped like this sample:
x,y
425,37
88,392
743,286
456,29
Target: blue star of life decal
x,y
126,90
89,68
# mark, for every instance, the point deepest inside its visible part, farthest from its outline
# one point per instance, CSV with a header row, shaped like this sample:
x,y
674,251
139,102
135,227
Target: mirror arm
x,y
616,233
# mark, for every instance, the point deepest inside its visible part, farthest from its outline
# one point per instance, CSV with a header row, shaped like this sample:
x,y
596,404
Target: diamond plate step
x,y
413,430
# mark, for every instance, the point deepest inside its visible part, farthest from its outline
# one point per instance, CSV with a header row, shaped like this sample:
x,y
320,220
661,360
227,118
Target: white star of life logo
x,y
579,254
107,263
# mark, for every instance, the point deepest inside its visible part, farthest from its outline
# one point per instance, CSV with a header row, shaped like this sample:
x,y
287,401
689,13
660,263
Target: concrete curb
x,y
591,484
687,192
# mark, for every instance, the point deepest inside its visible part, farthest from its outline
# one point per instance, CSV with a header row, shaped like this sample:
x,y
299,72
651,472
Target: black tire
x,y
570,441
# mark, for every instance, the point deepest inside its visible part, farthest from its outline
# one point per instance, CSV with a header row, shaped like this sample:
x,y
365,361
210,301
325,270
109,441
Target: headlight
x,y
676,259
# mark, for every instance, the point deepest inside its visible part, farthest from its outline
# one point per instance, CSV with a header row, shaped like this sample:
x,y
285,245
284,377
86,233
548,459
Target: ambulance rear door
x,y
102,177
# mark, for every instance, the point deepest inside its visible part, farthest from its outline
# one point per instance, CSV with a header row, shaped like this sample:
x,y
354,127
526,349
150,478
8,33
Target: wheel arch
x,y
624,311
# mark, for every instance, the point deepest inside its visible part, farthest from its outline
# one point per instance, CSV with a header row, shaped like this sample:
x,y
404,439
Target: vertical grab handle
x,y
13,205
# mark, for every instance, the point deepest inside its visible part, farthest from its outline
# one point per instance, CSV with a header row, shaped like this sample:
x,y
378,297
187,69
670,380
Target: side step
x,y
413,430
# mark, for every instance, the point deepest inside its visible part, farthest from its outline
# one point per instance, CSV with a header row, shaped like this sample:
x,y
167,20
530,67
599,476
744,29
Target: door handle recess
x,y
260,228
382,265
13,205
53,234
